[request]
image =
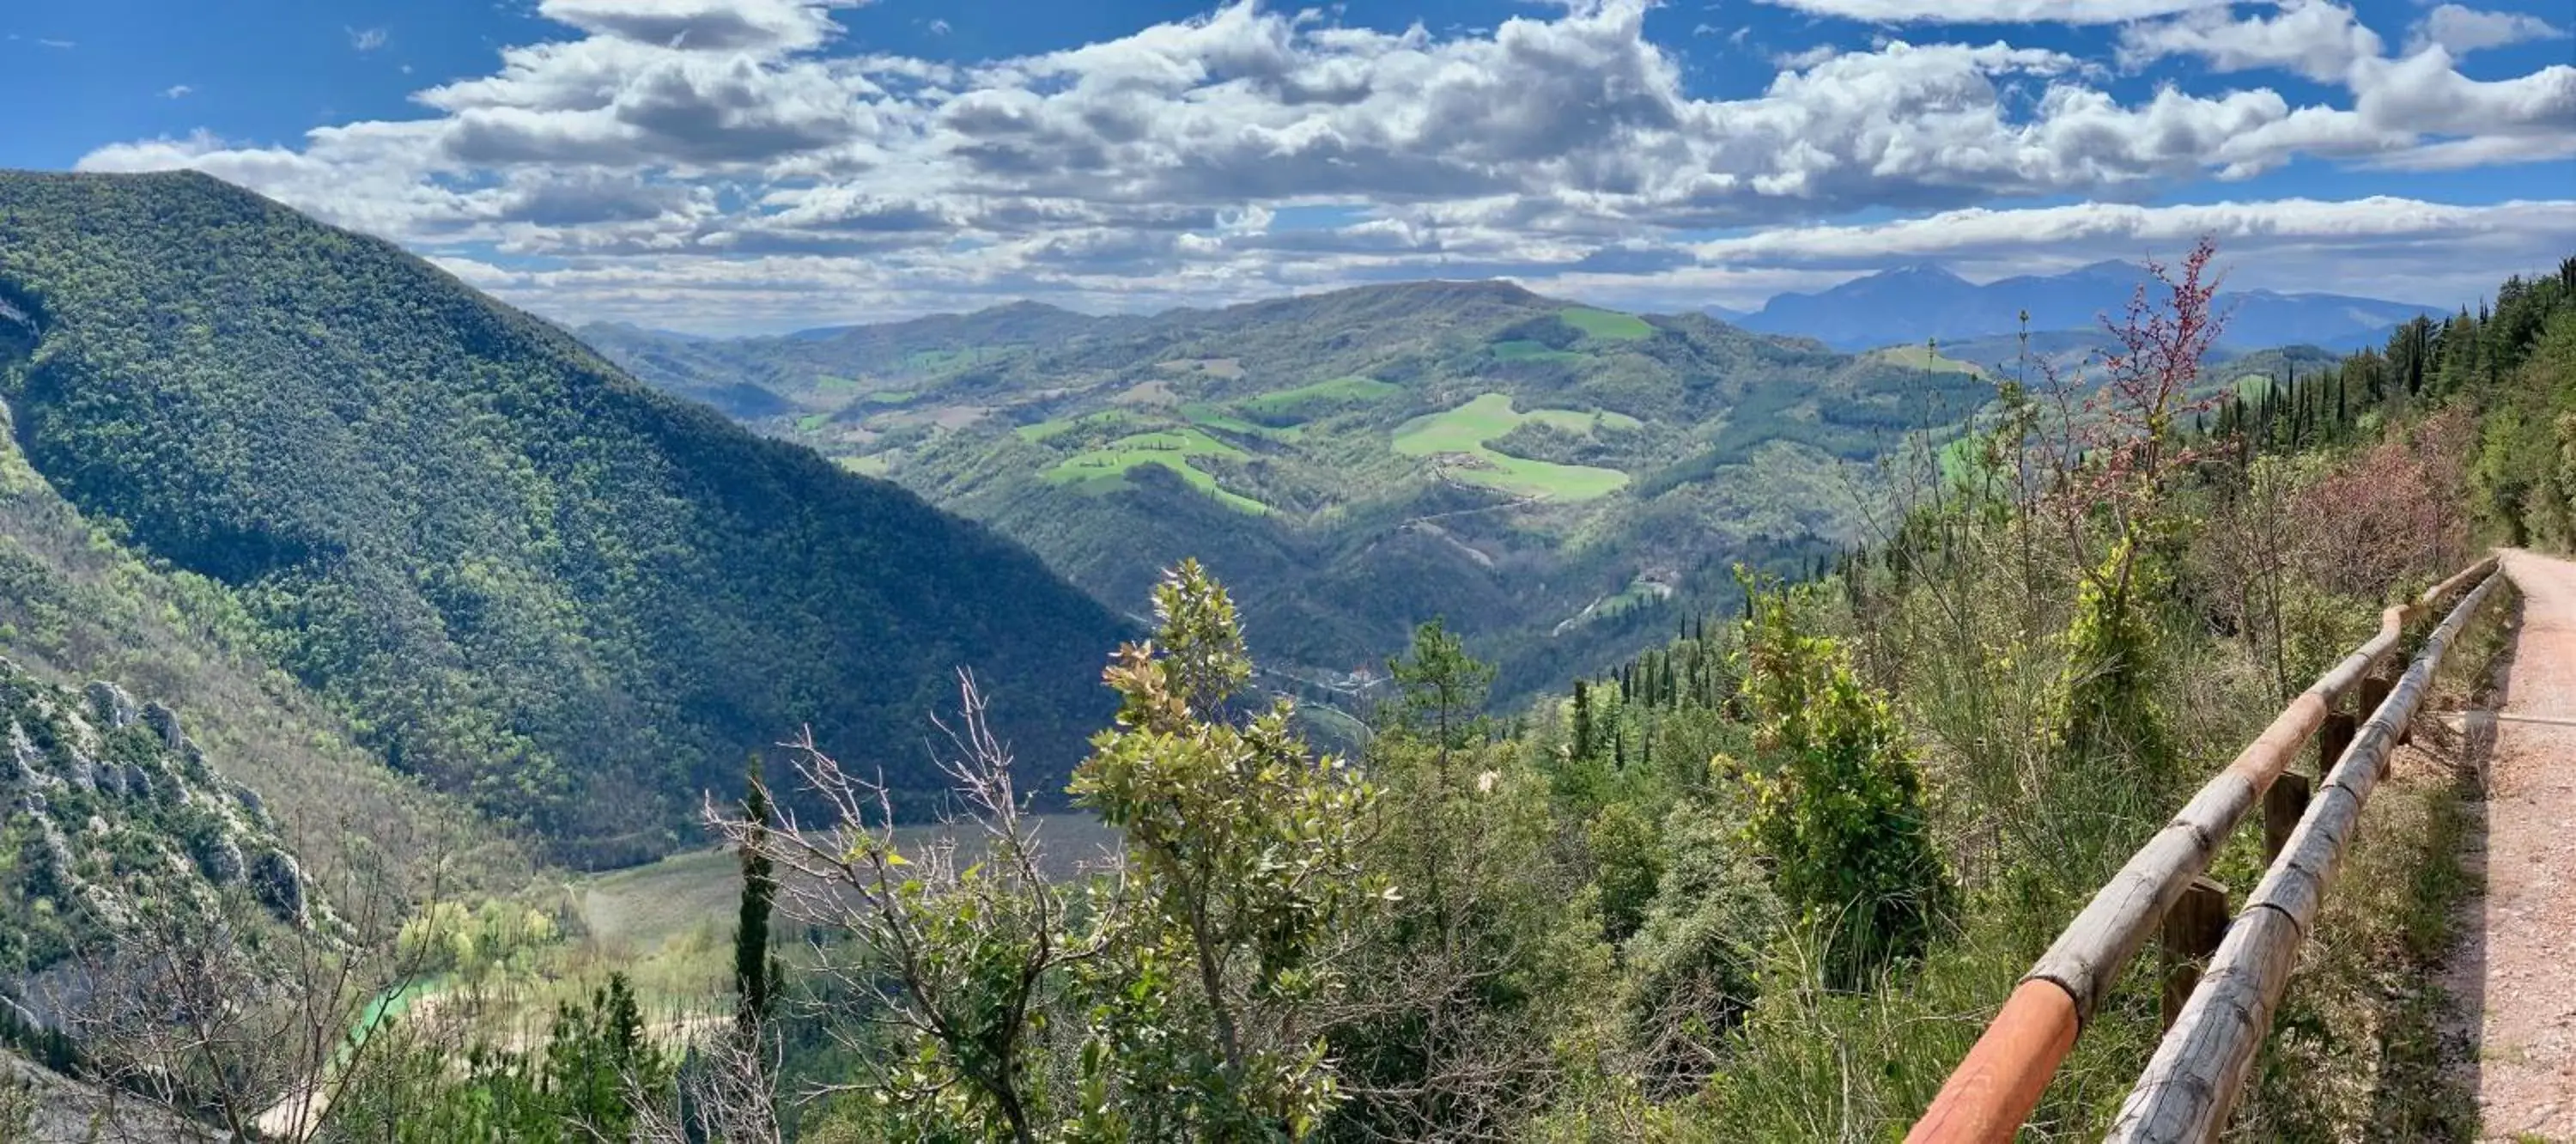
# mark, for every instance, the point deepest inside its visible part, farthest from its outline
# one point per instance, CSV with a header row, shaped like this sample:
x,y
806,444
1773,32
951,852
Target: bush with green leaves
x,y
1246,850
1836,800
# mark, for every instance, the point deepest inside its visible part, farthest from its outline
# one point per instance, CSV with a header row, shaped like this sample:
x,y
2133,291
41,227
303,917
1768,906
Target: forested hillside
x,y
516,572
1555,479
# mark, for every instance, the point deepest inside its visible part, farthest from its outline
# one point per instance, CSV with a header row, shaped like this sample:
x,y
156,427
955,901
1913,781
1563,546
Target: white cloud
x,y
708,25
668,152
2460,30
177,91
2315,38
366,39
1995,11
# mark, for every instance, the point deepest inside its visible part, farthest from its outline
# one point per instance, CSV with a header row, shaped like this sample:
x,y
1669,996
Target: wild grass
x,y
2363,1047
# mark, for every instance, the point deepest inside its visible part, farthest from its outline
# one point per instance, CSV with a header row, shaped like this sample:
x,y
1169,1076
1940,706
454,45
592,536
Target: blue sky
x,y
726,165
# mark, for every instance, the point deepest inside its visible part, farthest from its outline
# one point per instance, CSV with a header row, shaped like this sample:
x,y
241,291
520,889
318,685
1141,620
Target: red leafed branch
x,y
2116,444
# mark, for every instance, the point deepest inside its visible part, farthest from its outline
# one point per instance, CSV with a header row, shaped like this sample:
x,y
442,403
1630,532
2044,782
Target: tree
x,y
1836,798
1582,719
1245,849
952,962
1441,690
755,969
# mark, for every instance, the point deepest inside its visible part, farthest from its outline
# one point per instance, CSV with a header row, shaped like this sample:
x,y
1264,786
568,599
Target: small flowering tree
x,y
2114,457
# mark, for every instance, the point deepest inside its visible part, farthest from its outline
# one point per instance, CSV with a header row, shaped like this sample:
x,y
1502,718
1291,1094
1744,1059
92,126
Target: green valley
x,y
1360,460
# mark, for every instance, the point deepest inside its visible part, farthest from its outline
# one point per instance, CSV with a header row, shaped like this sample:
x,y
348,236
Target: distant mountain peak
x,y
2107,268
1923,270
1913,301
1025,306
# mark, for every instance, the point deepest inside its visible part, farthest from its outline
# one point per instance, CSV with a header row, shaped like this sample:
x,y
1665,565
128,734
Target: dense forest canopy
x,y
517,571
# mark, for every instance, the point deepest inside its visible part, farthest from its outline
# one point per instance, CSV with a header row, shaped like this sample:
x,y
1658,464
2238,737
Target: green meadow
x,y
1104,470
1468,427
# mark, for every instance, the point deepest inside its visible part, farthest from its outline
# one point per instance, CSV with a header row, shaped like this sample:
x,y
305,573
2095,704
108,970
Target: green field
x,y
924,361
1522,349
891,396
1606,325
825,383
1307,400
1466,428
1213,416
812,422
636,913
1046,430
1104,470
1925,357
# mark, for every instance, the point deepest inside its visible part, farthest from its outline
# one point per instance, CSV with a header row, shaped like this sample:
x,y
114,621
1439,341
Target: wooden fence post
x,y
2374,690
2334,737
2192,931
2284,803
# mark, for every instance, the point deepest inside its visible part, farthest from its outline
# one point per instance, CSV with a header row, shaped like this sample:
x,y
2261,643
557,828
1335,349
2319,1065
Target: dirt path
x,y
2515,972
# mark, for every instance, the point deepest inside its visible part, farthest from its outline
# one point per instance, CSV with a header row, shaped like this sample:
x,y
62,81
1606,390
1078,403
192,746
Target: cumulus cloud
x,y
1995,11
707,25
177,91
2315,38
672,149
2460,30
366,39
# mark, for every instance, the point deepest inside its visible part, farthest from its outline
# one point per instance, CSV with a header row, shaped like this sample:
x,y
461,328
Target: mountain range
x,y
1912,304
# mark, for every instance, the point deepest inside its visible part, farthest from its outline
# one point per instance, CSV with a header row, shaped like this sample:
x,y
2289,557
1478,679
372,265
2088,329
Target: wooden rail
x,y
2191,1084
1995,1088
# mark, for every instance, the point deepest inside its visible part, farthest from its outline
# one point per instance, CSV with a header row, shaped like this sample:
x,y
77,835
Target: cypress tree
x,y
1582,719
755,971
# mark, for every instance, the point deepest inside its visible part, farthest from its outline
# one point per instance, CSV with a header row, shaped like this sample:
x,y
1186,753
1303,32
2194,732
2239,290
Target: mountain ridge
x,y
1924,301
524,575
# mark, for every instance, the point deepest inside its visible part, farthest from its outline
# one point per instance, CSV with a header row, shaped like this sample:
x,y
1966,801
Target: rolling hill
x,y
513,570
1549,477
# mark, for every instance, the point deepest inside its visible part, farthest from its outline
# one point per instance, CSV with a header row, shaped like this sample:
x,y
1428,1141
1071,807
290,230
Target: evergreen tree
x,y
1582,719
755,969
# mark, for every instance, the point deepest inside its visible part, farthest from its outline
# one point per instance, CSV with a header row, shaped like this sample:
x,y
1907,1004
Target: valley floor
x,y
2512,979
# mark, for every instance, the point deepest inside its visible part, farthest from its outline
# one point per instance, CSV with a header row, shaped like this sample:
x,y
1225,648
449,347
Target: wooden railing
x,y
1996,1087
2191,1084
